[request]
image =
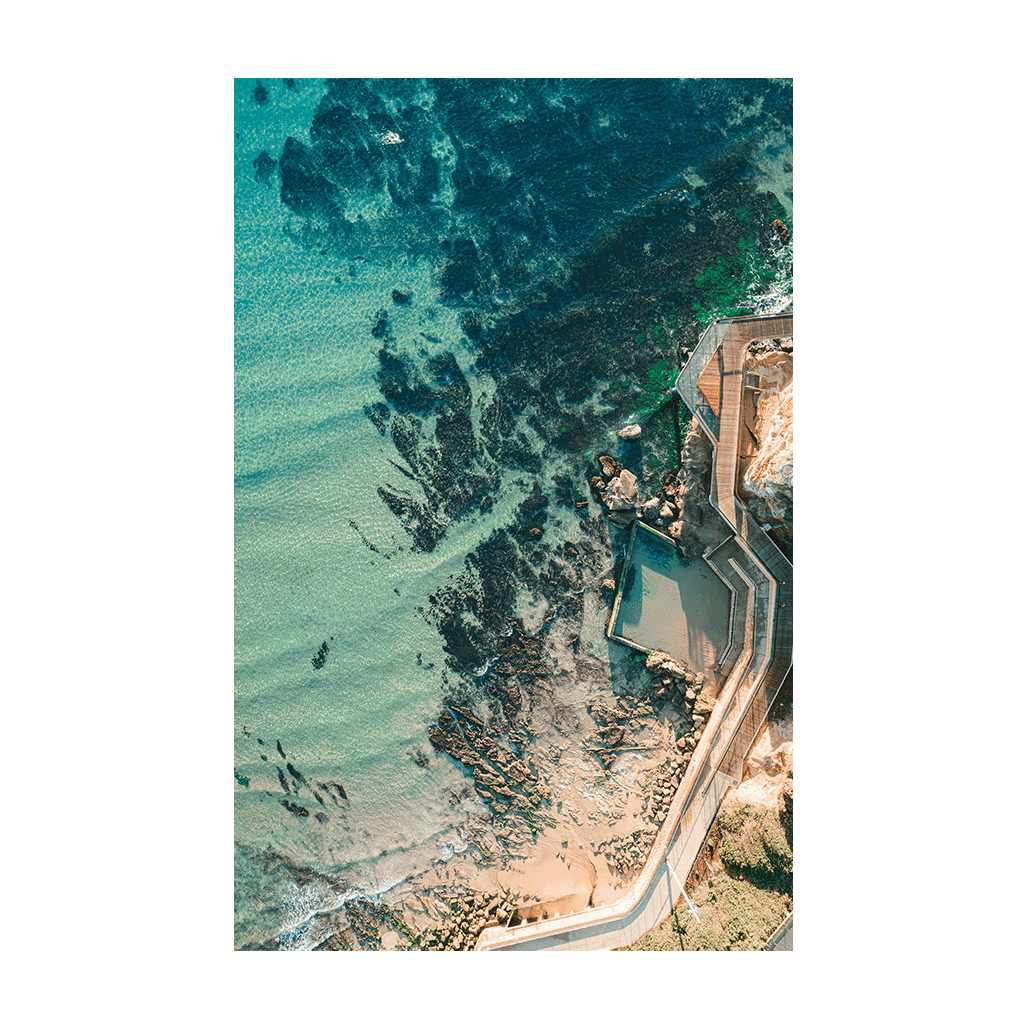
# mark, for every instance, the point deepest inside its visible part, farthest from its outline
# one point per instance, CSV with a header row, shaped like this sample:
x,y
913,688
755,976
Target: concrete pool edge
x,y
702,636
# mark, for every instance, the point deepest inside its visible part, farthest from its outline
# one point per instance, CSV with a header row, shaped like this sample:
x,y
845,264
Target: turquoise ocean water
x,y
418,263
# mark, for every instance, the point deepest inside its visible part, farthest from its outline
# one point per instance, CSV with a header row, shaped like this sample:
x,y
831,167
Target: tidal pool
x,y
671,603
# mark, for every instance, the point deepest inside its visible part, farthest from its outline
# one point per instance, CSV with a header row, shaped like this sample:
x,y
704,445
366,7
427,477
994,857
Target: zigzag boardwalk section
x,y
756,662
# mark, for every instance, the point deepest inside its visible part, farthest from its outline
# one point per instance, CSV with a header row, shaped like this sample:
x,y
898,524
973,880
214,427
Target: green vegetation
x,y
661,439
734,915
741,906
244,782
658,410
777,210
754,843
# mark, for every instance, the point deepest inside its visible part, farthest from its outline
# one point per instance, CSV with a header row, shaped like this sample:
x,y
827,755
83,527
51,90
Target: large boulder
x,y
660,663
704,705
622,491
651,509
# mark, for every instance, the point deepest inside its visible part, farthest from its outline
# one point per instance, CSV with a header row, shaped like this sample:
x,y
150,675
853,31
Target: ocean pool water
x,y
675,604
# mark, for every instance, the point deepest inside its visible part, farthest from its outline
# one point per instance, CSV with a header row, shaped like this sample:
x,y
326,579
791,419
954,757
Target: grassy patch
x,y
754,843
740,906
734,915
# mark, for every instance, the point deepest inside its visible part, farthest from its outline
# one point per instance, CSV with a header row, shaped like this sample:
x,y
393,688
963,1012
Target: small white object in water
x,y
390,138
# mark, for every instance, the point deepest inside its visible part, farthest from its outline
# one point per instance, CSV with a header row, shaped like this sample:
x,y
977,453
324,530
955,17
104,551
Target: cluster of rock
x,y
502,779
470,913
469,916
661,790
627,853
622,493
673,682
678,506
670,681
366,920
616,488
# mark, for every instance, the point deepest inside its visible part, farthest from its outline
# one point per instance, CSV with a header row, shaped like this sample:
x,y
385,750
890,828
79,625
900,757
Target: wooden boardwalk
x,y
722,351
722,377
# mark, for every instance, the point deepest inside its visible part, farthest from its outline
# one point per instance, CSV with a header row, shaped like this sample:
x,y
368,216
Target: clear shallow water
x,y
477,201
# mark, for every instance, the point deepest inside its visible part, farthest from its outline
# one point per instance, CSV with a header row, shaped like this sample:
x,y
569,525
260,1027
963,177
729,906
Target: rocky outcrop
x,y
755,821
470,914
767,459
610,732
679,508
622,492
501,778
319,658
370,926
767,777
768,479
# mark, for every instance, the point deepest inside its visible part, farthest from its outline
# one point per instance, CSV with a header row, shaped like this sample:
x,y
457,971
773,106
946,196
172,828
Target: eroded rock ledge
x,y
501,778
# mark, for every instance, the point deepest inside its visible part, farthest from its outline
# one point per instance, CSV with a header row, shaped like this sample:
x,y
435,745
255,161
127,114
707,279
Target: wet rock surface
x,y
500,776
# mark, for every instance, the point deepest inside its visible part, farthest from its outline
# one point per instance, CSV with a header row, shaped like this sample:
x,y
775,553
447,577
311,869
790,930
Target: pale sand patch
x,y
560,877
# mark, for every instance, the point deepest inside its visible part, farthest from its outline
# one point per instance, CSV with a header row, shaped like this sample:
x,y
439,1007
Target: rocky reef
x,y
501,778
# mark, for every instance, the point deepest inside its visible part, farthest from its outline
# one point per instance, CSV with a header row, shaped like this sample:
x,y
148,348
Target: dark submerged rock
x,y
319,658
265,165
